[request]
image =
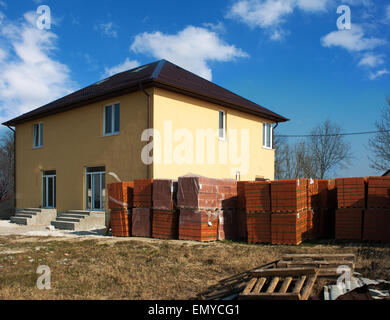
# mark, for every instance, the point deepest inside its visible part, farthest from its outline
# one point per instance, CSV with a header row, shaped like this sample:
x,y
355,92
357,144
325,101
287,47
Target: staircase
x,y
79,220
34,217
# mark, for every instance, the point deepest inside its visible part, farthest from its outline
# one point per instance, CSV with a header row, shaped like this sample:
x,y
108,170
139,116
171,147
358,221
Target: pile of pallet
x,y
120,202
292,277
165,212
207,208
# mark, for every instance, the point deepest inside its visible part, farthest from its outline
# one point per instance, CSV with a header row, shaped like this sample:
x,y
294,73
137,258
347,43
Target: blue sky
x,y
288,56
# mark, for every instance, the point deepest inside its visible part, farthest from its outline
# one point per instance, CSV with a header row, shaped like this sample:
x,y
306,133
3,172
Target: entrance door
x,y
49,190
96,188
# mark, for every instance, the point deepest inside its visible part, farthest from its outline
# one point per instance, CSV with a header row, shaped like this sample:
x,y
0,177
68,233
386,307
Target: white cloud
x,y
380,73
353,40
192,48
30,76
365,3
313,5
3,4
124,66
261,13
3,54
387,14
216,27
371,60
107,29
271,14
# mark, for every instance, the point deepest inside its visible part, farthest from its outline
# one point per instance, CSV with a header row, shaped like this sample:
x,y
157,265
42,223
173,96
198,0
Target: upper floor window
x,y
222,125
112,119
267,135
38,135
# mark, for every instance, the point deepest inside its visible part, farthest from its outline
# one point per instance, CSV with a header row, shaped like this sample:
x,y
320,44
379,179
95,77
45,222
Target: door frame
x,y
100,174
45,181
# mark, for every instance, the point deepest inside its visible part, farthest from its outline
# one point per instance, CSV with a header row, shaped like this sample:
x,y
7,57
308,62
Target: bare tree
x,y
7,166
282,158
329,148
380,143
293,162
305,165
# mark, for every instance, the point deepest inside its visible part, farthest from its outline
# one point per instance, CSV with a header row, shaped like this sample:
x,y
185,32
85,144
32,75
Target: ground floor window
x,y
95,188
49,189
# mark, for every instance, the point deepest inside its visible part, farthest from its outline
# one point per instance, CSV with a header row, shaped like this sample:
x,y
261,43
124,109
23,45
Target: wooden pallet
x,y
327,264
280,284
229,288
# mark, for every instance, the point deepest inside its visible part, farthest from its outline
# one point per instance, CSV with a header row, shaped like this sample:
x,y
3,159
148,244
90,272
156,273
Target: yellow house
x,y
155,121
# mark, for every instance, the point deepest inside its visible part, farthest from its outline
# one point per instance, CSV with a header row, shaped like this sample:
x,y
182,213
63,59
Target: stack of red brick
x,y
241,217
289,211
325,206
258,211
312,211
207,208
351,204
165,213
142,212
120,202
377,216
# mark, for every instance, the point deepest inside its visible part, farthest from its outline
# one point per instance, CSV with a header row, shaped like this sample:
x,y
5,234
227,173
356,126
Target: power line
x,y
331,135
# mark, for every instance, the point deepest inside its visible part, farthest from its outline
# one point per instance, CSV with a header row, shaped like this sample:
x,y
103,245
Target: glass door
x,y
96,188
49,190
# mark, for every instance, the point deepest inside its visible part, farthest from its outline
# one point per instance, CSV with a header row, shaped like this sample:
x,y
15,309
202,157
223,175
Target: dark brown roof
x,y
162,74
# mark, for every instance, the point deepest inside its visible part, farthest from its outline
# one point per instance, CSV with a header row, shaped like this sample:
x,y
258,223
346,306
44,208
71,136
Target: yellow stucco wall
x,y
73,140
191,114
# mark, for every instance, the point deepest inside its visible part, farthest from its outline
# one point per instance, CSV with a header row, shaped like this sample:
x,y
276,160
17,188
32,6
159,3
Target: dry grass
x,y
147,269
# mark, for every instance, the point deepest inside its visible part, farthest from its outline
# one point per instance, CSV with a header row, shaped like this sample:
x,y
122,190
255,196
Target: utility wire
x,y
330,135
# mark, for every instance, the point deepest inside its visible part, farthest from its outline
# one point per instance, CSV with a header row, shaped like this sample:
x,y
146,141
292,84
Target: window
x,y
38,135
267,135
112,119
222,125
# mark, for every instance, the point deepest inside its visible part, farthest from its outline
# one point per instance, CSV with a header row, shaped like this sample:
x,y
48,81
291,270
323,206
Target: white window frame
x,y
112,133
223,130
40,135
265,135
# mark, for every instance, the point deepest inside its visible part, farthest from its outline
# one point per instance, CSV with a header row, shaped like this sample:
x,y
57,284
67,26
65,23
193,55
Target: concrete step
x,y
19,220
63,219
33,210
24,215
71,215
34,216
31,213
81,220
82,212
63,225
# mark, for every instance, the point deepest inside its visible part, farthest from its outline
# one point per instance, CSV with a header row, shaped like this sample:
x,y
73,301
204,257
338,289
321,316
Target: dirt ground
x,y
135,268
